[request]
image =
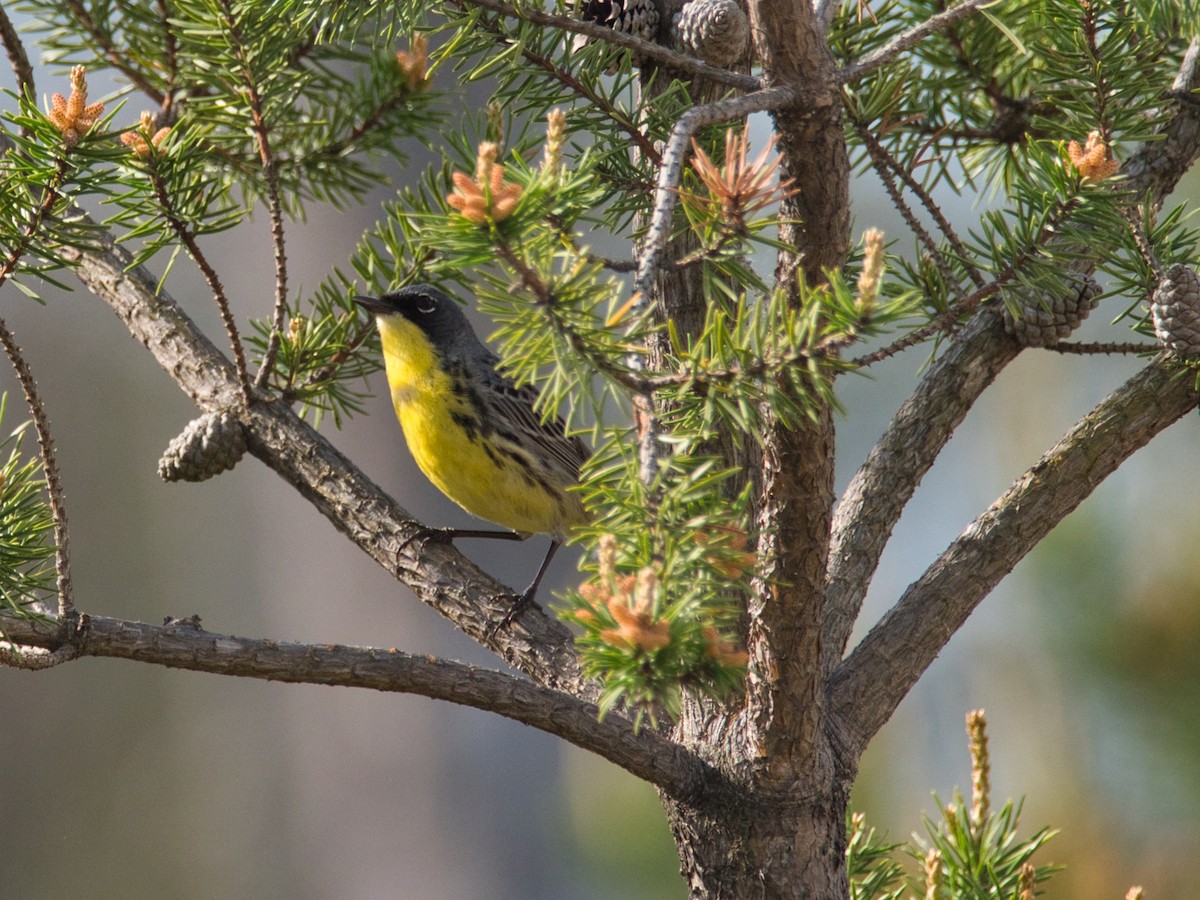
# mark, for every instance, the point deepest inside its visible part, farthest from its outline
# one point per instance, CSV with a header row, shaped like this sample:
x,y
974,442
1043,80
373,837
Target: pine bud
x,y
1175,309
1048,318
980,767
934,874
208,446
717,31
1027,882
872,271
72,115
556,136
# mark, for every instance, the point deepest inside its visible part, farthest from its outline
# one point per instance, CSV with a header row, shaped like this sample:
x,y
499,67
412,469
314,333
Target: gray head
x,y
434,312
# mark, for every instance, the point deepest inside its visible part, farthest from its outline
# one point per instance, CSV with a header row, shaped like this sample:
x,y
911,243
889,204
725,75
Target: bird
x,y
471,430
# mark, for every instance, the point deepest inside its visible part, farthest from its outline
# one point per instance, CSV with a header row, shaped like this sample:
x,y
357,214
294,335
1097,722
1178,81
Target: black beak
x,y
373,305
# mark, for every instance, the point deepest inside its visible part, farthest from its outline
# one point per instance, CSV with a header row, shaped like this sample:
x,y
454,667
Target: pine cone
x,y
717,31
1051,317
208,446
635,17
1175,309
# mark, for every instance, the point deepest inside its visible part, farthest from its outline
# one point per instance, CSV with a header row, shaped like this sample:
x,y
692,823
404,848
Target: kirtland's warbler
x,y
471,430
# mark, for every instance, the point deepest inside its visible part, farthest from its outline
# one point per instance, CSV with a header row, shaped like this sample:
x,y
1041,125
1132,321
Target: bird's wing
x,y
514,406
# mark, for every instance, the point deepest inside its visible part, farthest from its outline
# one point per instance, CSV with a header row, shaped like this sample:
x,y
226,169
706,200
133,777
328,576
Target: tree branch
x,y
108,51
889,170
1157,166
17,57
666,195
877,494
51,195
537,645
908,40
866,688
270,172
671,59
881,488
589,93
183,644
188,238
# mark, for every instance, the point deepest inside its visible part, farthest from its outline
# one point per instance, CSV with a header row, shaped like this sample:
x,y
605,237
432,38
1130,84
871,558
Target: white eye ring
x,y
426,309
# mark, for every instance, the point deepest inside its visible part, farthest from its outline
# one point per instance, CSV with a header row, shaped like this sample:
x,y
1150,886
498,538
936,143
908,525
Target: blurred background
x,y
131,781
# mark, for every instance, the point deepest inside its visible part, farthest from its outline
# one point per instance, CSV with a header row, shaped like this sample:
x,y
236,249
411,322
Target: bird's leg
x,y
445,535
525,600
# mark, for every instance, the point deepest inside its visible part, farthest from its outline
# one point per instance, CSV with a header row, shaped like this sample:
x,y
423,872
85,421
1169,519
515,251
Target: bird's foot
x,y
520,603
426,535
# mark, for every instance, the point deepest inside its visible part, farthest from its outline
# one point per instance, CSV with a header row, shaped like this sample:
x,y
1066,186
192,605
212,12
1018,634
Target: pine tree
x,y
706,650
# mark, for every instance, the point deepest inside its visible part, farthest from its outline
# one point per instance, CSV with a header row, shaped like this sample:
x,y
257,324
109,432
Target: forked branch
x,y
908,40
866,688
666,195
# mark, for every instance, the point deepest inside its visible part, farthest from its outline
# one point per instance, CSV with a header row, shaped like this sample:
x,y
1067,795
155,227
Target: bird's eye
x,y
426,307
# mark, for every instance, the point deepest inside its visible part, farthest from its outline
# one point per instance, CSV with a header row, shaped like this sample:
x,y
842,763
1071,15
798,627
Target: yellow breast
x,y
445,438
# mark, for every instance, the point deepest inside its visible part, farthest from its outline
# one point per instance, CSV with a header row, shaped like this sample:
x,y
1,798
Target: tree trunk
x,y
765,844
781,831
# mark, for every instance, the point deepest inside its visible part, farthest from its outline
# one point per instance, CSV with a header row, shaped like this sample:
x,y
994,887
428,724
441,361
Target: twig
x,y
54,490
670,171
171,45
942,322
328,371
19,656
275,209
112,53
969,62
369,122
882,164
946,319
642,384
613,265
1137,230
909,39
49,466
188,239
17,58
884,160
545,298
644,145
700,254
37,409
1102,90
1097,347
274,204
680,62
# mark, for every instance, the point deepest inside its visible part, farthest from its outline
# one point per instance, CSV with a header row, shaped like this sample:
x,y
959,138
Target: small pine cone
x,y
717,31
1048,319
1175,309
208,446
636,17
